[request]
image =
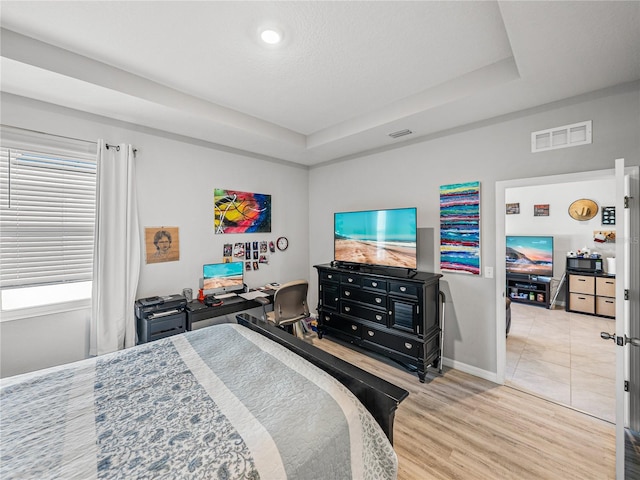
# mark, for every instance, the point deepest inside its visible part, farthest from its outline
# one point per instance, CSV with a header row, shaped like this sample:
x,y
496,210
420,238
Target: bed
x,y
224,401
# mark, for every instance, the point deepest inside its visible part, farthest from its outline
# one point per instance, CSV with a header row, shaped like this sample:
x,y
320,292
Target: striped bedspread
x,y
222,402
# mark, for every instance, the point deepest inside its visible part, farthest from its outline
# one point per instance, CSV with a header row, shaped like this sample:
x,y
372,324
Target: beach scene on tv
x,y
530,255
381,237
222,275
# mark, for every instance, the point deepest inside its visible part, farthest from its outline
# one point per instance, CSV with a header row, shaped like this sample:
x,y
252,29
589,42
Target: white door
x,y
627,332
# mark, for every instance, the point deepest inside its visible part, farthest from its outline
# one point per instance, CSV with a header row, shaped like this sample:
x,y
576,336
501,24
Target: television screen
x,y
530,255
376,237
223,277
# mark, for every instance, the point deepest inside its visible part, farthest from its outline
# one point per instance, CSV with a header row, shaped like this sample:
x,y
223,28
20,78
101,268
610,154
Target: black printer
x,y
159,317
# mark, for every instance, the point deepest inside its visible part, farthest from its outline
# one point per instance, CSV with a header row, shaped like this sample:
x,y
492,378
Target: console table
x,y
384,310
529,289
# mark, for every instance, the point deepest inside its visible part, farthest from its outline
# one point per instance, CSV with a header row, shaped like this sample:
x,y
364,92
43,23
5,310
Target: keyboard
x,y
226,295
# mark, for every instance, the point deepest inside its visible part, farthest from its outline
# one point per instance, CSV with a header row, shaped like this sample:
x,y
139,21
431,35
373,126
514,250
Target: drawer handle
x,y
327,318
609,301
608,283
354,327
582,298
349,280
378,317
378,300
347,309
329,276
371,334
374,284
403,289
347,293
336,299
582,279
408,346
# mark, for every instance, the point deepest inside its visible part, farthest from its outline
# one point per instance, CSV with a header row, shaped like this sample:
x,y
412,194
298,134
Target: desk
x,y
197,312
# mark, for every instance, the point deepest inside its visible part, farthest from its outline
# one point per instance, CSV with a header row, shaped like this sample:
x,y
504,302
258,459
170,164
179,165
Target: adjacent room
x,y
296,222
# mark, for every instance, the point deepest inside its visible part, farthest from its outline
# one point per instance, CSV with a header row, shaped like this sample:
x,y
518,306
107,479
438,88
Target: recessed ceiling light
x,y
271,36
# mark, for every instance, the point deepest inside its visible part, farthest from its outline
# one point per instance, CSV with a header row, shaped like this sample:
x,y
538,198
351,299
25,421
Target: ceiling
x,y
345,76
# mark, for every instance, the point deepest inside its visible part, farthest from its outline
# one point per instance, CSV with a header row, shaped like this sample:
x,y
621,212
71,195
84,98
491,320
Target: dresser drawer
x,y
606,287
374,284
606,306
342,324
582,303
409,289
365,313
329,276
582,284
357,295
349,279
407,346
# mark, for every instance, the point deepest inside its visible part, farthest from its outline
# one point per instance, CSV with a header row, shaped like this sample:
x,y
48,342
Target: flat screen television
x,y
530,255
220,278
376,237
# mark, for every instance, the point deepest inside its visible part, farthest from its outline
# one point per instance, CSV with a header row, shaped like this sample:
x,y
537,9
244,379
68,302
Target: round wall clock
x,y
583,209
282,243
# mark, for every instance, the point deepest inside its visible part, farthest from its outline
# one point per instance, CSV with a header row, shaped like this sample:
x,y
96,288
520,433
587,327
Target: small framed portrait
x,y
162,244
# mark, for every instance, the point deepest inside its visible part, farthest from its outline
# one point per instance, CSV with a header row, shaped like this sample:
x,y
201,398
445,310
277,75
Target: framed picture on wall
x,y
541,210
241,212
513,208
608,215
162,244
460,228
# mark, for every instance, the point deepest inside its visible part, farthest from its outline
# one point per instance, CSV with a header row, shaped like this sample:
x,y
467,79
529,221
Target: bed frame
x,y
380,397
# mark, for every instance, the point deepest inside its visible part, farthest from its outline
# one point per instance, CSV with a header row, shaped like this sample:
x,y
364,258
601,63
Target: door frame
x,y
500,274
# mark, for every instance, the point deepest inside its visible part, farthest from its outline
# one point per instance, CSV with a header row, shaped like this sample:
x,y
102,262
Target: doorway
x,y
550,352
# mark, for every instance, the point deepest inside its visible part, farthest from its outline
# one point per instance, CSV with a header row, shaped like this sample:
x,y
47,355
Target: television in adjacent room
x,y
219,278
530,255
385,238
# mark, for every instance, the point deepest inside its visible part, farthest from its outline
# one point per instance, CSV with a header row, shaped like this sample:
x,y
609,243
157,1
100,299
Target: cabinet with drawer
x,y
593,294
382,310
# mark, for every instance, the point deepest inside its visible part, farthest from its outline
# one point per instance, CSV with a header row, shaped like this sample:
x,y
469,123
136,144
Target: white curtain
x,y
116,258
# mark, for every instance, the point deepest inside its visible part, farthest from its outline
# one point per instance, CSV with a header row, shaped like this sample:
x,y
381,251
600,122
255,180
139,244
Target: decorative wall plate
x,y
583,209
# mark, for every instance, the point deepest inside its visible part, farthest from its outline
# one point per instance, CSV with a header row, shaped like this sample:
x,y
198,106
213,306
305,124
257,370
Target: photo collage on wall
x,y
253,254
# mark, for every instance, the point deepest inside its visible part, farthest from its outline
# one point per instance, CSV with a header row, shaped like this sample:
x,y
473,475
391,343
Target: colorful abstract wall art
x,y
241,212
460,228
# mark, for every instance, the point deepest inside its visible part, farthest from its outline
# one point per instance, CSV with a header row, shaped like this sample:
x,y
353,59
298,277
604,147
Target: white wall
x,y
568,234
176,176
488,152
175,182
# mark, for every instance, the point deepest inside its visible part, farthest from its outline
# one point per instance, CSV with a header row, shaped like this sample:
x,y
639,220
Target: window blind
x,y
47,211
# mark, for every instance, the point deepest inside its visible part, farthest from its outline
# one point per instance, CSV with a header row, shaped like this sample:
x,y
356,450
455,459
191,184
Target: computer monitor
x,y
219,278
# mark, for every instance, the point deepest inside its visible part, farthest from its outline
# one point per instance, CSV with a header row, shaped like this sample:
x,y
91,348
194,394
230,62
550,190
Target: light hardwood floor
x,y
458,426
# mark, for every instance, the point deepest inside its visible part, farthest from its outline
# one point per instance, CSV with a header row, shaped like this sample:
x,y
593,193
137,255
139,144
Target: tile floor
x,y
560,356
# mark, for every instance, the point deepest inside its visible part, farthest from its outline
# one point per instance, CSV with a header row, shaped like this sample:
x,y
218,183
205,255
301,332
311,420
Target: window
x,y
47,219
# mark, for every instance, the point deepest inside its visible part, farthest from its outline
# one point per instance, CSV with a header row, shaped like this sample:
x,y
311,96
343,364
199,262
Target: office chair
x,y
289,306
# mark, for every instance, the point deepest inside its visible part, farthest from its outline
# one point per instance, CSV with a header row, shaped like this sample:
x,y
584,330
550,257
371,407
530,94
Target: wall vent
x,y
400,133
561,137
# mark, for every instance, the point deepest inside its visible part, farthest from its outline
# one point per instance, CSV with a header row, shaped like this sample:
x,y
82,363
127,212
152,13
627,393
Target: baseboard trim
x,y
470,369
